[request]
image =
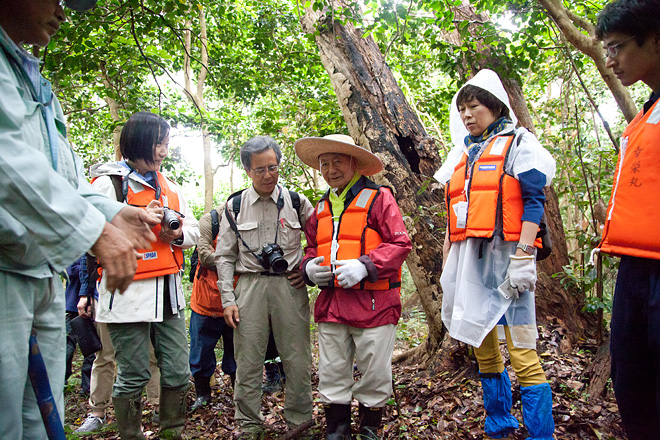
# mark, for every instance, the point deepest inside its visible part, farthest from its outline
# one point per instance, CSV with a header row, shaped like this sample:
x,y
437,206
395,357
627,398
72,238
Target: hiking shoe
x,y
91,424
272,386
200,402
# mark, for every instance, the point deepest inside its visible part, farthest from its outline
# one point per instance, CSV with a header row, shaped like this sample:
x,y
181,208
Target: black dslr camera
x,y
271,256
171,219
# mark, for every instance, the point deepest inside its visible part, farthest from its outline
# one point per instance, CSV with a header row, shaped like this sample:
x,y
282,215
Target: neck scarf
x,y
474,143
338,201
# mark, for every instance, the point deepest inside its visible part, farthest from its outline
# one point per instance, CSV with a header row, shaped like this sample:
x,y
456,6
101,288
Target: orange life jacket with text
x,y
205,298
631,226
495,205
355,237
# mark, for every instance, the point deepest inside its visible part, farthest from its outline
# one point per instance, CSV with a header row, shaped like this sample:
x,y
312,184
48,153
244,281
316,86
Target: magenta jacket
x,y
365,308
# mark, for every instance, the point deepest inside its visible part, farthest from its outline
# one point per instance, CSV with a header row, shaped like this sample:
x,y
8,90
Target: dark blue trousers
x,y
635,346
205,332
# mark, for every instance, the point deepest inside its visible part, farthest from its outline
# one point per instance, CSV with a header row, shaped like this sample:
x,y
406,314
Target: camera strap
x,y
232,225
232,222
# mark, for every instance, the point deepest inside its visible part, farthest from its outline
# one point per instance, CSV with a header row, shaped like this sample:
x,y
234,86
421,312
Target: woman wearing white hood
x,y
495,176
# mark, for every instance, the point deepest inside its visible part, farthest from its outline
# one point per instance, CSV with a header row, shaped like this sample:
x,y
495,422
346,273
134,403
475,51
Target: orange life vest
x,y
205,298
631,225
494,197
161,258
355,237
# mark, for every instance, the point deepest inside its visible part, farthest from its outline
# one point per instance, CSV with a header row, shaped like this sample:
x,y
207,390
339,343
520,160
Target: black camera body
x,y
171,219
272,256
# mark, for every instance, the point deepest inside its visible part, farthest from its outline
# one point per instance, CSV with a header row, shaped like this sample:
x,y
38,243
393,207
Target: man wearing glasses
x,y
259,241
630,31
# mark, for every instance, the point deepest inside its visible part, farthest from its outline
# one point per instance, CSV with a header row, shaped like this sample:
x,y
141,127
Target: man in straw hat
x,y
356,244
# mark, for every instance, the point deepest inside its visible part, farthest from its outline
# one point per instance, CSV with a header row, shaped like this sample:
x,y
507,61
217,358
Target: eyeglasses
x,y
262,170
613,50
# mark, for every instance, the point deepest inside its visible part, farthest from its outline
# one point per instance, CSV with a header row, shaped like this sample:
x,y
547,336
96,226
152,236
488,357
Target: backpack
x,y
194,258
236,206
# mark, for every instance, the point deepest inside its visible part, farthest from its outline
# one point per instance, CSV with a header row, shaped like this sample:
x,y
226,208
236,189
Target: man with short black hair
x,y
630,31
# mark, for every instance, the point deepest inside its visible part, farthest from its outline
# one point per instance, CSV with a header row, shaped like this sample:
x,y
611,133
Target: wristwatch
x,y
527,248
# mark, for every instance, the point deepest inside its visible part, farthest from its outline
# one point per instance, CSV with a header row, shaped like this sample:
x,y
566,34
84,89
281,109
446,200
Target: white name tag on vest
x,y
151,255
498,146
460,210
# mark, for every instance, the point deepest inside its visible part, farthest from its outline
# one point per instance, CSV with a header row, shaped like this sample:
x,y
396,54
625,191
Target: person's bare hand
x,y
167,235
84,307
295,278
155,208
231,316
118,257
136,224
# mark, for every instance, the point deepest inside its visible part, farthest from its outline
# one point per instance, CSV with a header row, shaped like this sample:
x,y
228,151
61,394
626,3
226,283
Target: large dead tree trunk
x,y
379,118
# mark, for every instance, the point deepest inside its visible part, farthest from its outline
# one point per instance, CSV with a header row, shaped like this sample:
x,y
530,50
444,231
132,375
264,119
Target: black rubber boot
x,y
338,421
172,412
203,392
370,421
128,411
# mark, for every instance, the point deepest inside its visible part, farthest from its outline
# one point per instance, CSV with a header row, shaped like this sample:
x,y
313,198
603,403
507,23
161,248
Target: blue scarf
x,y
474,143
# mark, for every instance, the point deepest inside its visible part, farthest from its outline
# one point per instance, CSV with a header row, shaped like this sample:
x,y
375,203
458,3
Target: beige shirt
x,y
257,223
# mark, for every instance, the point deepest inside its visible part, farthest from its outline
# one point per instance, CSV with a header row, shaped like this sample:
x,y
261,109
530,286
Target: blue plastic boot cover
x,y
537,411
497,400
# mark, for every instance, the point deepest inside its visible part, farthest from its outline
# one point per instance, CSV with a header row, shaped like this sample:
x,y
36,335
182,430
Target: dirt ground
x,y
426,405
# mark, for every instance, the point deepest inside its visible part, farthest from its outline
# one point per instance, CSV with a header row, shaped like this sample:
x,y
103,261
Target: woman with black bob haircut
x,y
152,306
140,134
495,176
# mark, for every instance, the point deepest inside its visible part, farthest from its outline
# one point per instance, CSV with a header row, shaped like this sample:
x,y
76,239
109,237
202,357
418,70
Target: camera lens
x,y
279,264
271,256
171,219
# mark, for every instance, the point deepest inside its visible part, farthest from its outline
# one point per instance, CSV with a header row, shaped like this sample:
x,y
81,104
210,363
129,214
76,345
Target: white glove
x,y
319,275
350,272
522,273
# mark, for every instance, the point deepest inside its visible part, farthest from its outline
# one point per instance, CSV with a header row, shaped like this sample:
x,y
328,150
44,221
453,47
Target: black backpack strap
x,y
215,223
295,202
117,184
235,200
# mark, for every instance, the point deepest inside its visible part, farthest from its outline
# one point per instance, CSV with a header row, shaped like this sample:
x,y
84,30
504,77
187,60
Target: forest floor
x,y
427,404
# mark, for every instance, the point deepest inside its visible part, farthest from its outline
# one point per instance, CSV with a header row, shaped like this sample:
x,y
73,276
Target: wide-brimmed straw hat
x,y
309,149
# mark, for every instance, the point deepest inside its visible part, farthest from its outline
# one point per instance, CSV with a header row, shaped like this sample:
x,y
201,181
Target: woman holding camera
x,y
152,306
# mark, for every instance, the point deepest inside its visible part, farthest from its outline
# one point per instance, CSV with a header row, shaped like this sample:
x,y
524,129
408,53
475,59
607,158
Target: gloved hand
x,y
319,275
350,272
522,273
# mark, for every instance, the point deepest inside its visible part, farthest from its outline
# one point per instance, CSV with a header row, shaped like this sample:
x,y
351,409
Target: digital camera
x,y
171,219
271,256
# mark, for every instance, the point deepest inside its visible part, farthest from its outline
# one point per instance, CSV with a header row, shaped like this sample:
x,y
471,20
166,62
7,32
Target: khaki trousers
x,y
265,302
525,362
371,348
